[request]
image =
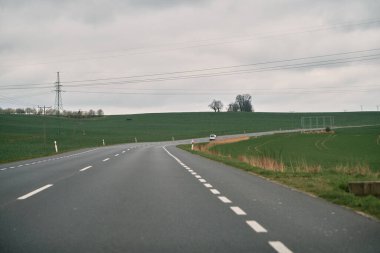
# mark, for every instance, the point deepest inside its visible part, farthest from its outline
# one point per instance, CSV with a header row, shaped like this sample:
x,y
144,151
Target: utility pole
x,y
44,108
58,95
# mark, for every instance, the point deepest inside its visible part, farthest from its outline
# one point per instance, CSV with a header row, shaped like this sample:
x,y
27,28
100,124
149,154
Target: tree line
x,y
53,112
242,103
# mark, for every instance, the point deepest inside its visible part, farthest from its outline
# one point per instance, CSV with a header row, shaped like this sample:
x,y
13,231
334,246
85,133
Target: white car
x,y
212,137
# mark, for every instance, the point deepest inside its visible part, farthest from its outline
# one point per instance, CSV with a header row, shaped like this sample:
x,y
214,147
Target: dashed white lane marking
x,y
4,169
279,247
12,167
238,210
215,191
256,226
128,149
27,164
193,173
34,192
116,155
123,151
20,165
105,160
224,199
86,168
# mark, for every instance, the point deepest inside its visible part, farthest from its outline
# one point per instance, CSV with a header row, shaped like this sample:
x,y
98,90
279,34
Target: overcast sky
x,y
141,56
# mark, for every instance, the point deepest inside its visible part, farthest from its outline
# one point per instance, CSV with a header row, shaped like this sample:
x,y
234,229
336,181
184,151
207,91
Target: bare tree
x,y
233,107
91,113
20,111
244,102
100,112
216,105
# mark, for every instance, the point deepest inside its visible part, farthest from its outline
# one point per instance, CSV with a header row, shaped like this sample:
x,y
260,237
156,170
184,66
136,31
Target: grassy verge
x,y
296,161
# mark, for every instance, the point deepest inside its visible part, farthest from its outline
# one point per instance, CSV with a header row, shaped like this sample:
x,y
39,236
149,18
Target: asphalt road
x,y
152,198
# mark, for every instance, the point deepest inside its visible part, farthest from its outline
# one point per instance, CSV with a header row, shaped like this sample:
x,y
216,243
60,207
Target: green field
x,y
27,136
319,163
344,148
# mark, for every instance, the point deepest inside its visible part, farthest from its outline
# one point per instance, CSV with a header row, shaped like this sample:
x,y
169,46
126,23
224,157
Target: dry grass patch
x,y
263,162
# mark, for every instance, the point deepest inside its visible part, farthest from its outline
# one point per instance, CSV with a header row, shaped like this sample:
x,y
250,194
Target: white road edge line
x,y
279,247
105,160
256,226
34,192
224,199
238,210
86,168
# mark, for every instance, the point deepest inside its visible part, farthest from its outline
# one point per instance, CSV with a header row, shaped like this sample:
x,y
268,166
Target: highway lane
x,y
147,198
26,175
305,223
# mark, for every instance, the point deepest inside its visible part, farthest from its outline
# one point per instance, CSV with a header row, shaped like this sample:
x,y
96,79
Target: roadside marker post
x,y
104,143
55,146
192,144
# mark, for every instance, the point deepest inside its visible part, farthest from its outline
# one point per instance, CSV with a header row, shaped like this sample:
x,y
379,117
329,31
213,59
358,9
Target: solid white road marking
x,y
224,199
202,180
208,185
215,191
256,226
238,210
105,160
86,168
279,247
34,192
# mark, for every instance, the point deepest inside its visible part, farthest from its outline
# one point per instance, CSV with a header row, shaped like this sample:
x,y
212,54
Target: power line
x,y
234,72
46,86
224,93
227,67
